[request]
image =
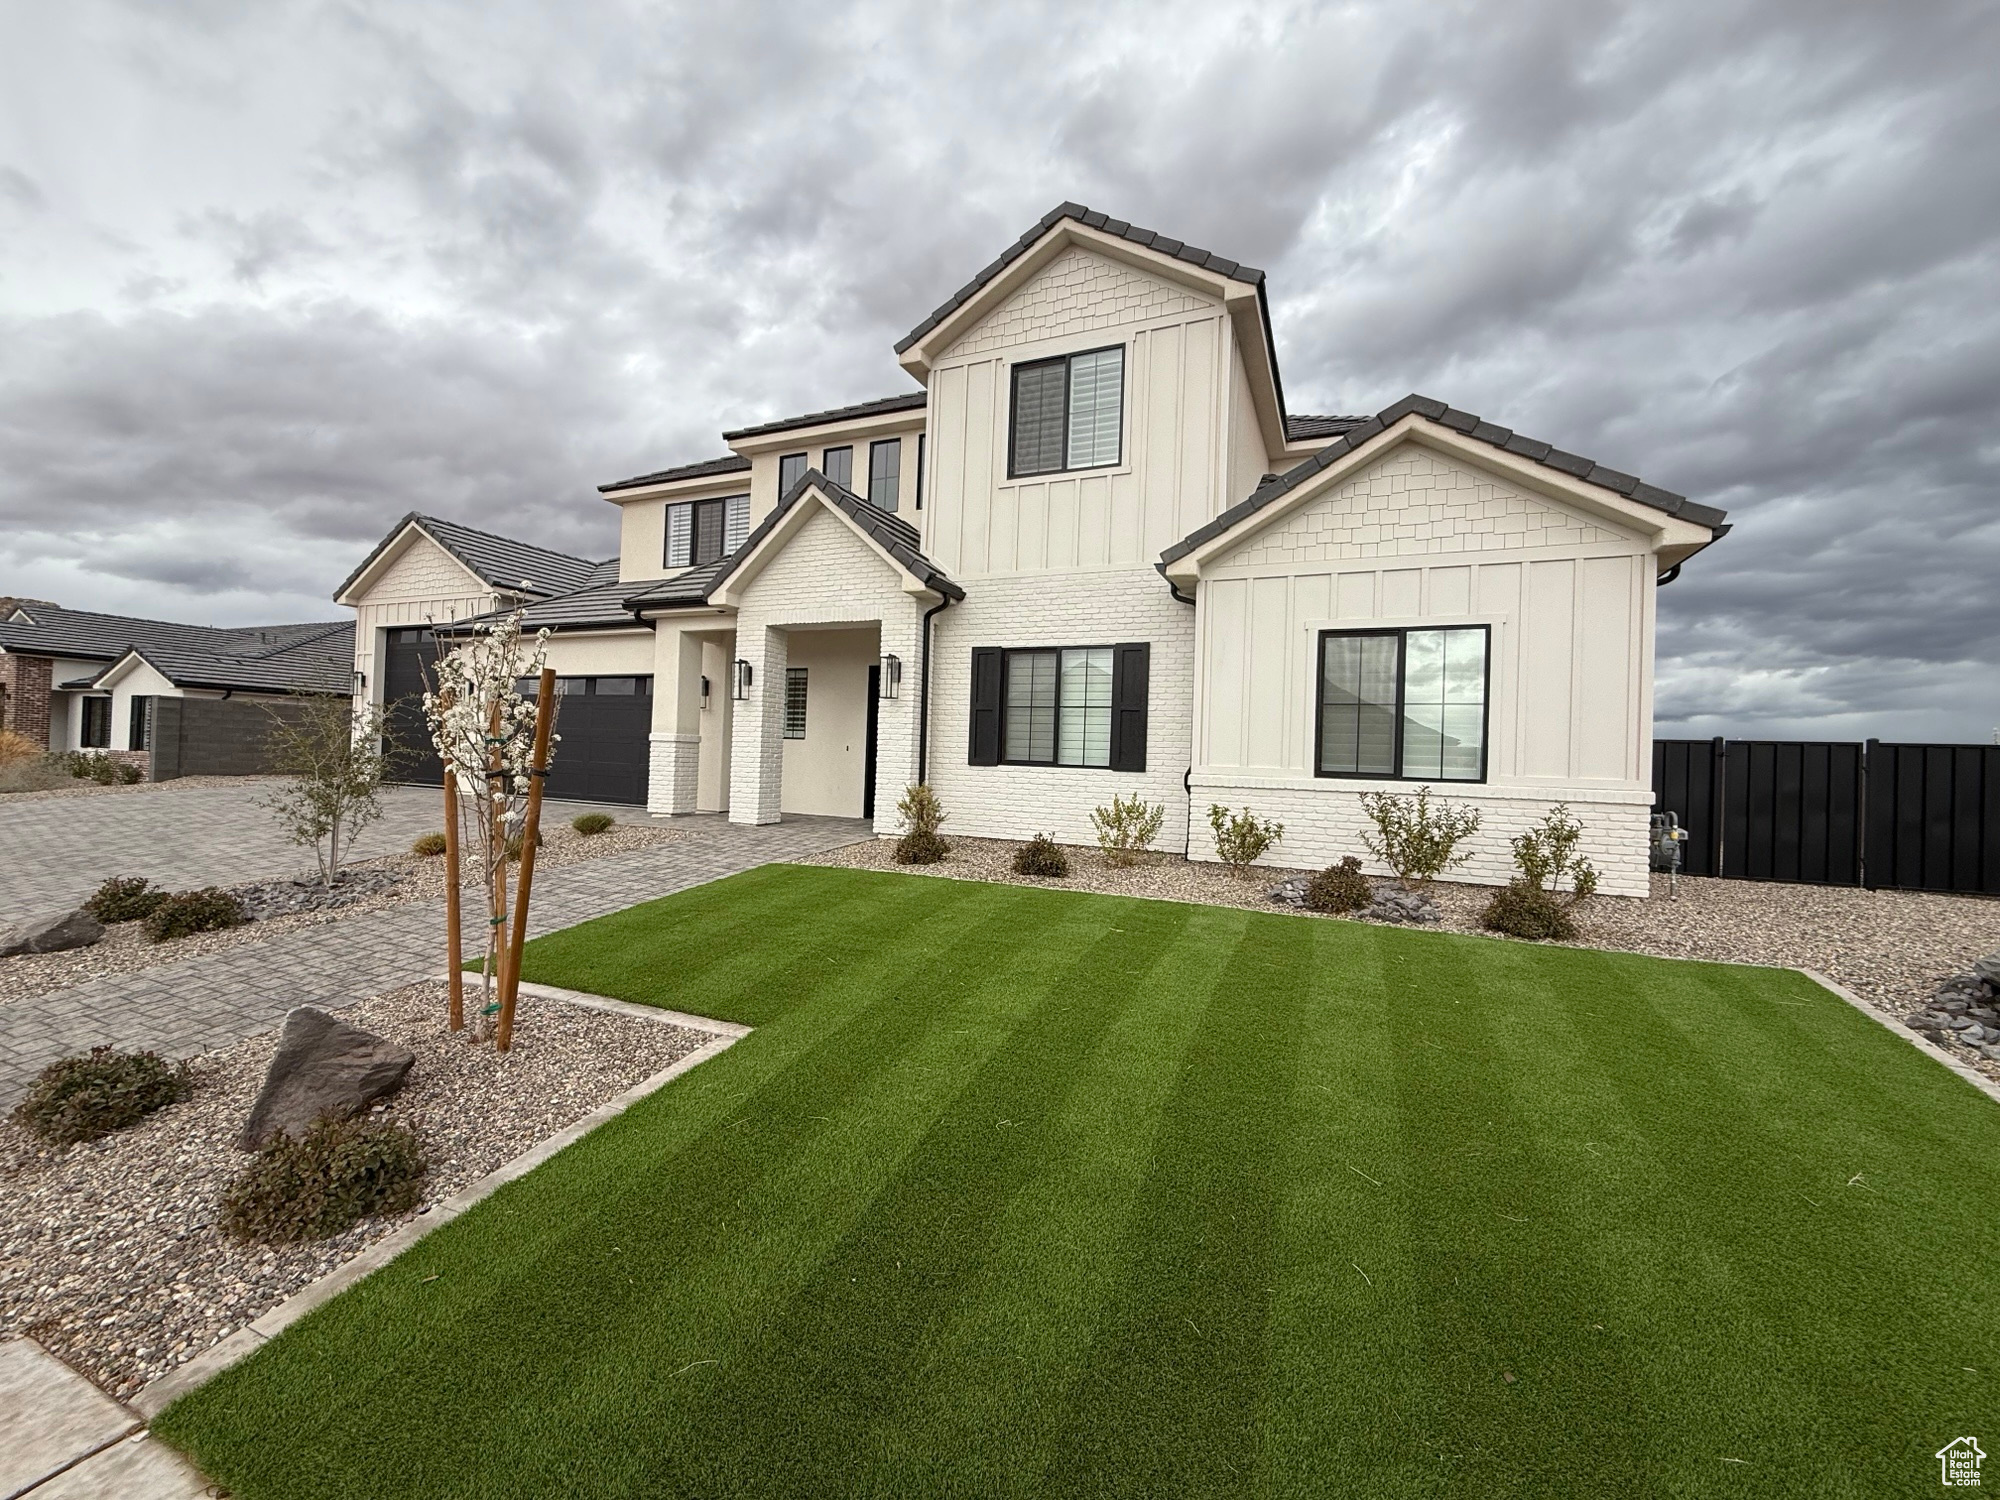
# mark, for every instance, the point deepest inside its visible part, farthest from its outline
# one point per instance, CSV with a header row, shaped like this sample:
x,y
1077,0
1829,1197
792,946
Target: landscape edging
x,y
1923,1044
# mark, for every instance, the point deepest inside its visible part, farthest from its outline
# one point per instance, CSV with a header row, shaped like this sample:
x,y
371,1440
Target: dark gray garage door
x,y
408,655
604,723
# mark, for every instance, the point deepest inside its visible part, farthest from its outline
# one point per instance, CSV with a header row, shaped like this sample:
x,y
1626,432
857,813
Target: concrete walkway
x,y
61,1438
210,1001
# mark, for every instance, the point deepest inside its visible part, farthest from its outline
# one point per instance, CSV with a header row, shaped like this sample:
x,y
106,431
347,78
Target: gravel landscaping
x,y
1893,948
85,788
280,905
109,1253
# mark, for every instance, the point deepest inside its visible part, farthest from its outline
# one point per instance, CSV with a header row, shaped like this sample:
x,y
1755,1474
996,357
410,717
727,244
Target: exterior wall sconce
x,y
892,675
704,694
741,690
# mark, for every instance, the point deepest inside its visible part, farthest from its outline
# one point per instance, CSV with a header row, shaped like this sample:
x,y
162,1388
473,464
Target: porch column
x,y
757,748
675,758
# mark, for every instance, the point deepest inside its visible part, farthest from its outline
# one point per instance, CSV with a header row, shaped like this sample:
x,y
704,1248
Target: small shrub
x,y
514,843
920,848
1546,856
186,912
592,824
429,845
1127,827
1524,910
83,1098
339,1173
126,773
1042,856
921,811
1414,839
1340,887
125,898
1242,838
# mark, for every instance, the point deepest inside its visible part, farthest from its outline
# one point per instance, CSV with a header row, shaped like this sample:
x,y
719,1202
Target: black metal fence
x,y
1910,817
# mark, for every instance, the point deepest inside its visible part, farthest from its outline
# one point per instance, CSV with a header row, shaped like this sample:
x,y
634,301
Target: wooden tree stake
x,y
453,944
493,968
531,836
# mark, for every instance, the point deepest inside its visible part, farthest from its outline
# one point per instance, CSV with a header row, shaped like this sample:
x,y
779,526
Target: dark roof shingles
x,y
504,563
731,463
908,401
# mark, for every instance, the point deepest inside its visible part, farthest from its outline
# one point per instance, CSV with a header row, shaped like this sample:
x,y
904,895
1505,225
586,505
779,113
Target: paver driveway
x,y
60,849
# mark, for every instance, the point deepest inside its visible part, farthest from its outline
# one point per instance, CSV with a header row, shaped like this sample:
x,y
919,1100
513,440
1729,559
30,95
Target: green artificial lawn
x,y
1017,1191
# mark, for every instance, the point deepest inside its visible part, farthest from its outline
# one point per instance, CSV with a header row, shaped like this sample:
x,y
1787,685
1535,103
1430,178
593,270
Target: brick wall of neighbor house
x,y
24,684
214,736
1079,609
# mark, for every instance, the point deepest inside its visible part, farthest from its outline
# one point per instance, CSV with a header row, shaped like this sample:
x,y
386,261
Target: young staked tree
x,y
484,731
333,759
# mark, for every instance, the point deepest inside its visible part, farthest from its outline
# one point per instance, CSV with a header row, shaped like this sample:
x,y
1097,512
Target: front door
x,y
868,751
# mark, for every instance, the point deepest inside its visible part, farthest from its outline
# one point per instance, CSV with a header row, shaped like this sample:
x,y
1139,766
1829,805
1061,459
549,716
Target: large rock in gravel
x,y
56,934
1403,906
1988,969
323,1066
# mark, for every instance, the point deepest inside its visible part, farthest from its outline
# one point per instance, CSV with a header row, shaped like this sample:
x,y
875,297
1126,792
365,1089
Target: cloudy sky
x,y
272,274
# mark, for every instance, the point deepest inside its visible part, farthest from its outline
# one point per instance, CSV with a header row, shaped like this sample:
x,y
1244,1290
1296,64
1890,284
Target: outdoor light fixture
x,y
741,692
892,675
704,692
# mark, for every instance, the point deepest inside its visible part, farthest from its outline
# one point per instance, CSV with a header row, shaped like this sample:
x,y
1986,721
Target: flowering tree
x,y
484,731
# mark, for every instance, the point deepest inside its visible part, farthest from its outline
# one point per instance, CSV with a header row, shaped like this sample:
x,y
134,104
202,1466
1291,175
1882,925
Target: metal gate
x,y
1890,816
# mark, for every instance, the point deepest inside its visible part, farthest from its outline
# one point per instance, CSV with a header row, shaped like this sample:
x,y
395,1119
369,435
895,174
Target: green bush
x,y
83,1098
429,845
125,898
1127,827
514,843
126,773
1241,838
920,848
1414,839
1546,855
1340,887
209,909
1042,856
339,1173
592,824
1523,910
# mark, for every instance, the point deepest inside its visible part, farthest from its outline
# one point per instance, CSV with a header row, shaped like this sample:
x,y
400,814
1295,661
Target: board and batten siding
x,y
424,585
1172,473
1420,538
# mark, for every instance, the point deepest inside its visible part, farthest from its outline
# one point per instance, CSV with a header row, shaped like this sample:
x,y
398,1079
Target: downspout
x,y
924,687
1187,776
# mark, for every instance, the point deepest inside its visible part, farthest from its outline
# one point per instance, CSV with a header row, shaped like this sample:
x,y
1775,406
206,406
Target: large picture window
x,y
1068,413
1058,707
1403,704
706,531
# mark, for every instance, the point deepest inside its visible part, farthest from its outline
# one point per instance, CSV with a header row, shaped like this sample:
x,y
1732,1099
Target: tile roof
x,y
1304,429
320,664
50,630
502,562
731,463
908,401
1090,219
890,532
1503,438
600,605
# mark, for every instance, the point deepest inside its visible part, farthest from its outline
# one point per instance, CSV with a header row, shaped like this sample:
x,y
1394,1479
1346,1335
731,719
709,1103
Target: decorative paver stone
x,y
52,934
50,1416
322,1066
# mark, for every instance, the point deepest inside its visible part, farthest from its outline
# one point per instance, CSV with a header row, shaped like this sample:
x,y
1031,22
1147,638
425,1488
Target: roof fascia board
x,y
1245,305
700,487
404,539
880,424
1655,527
730,594
919,358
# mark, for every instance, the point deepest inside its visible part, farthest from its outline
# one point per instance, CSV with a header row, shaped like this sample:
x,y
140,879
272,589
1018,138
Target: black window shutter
x,y
1130,668
985,706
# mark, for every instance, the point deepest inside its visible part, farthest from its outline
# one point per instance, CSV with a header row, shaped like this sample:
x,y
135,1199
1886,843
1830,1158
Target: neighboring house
x,y
178,700
1096,555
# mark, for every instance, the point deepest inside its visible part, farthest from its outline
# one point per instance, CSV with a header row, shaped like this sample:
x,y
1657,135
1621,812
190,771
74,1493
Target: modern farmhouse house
x,y
1093,554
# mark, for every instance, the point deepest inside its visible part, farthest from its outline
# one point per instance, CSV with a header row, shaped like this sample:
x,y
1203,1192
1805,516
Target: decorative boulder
x,y
1403,906
1291,893
56,934
1988,969
323,1066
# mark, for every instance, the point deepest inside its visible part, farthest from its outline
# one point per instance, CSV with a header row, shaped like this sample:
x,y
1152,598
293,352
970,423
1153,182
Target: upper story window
x,y
705,531
837,464
920,471
1068,413
885,472
1407,704
791,469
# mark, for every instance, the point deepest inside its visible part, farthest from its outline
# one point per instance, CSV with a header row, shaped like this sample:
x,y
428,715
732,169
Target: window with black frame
x,y
1068,413
885,472
1058,707
795,703
706,531
1403,704
791,469
96,728
837,464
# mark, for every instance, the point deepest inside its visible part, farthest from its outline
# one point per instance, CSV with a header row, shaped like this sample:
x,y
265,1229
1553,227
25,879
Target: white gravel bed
x,y
125,949
85,788
1890,947
108,1250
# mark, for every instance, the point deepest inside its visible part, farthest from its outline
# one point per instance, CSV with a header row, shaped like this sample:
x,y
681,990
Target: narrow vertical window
x,y
1029,733
736,523
920,469
708,520
791,469
680,535
1037,446
1358,705
837,464
885,472
141,735
1096,397
1085,708
795,703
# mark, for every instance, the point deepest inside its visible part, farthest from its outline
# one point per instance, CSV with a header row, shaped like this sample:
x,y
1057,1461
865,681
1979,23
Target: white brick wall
x,y
1414,502
1075,293
1074,609
675,770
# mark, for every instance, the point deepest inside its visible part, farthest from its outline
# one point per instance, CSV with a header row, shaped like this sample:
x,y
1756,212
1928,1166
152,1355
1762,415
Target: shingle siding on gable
x,y
1077,292
1414,503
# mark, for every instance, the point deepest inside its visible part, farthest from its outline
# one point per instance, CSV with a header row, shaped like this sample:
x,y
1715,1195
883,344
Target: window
x,y
705,531
1067,413
885,472
920,470
837,464
96,724
1408,704
140,736
791,469
795,703
590,687
1060,706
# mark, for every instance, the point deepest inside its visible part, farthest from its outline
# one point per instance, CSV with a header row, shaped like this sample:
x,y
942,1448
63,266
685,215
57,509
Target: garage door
x,y
409,653
605,724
